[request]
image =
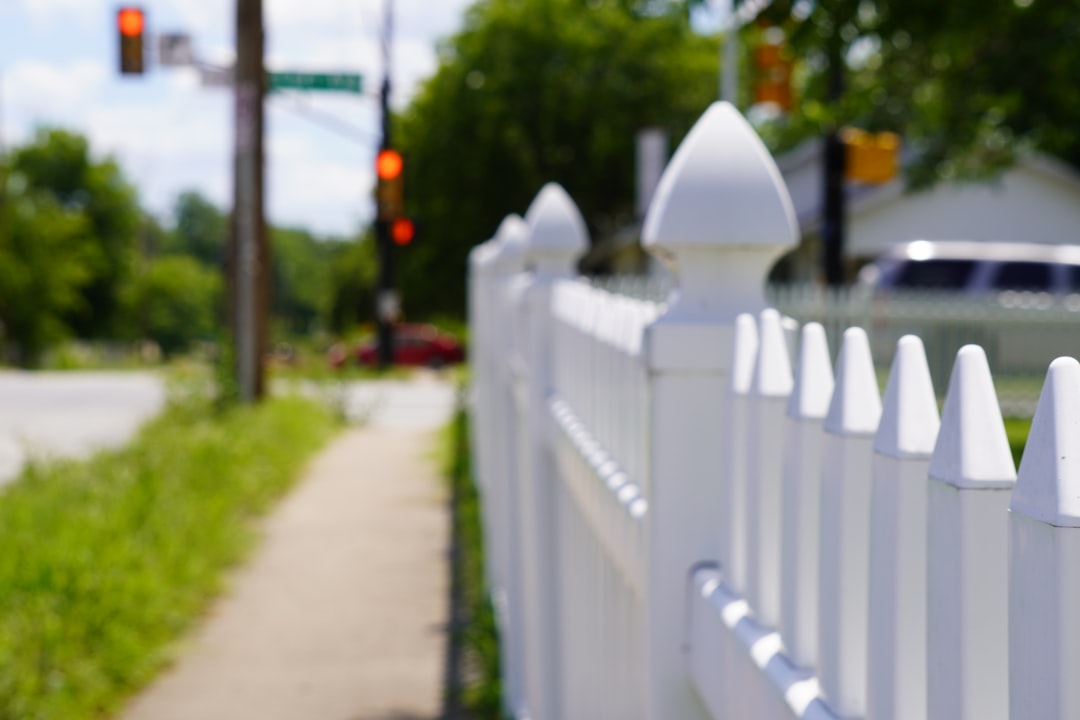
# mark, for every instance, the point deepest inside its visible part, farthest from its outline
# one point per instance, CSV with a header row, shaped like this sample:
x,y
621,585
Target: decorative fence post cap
x,y
909,416
972,450
555,226
1048,484
510,239
722,187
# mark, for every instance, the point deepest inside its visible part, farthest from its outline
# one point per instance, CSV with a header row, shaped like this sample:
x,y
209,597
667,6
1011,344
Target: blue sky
x,y
58,66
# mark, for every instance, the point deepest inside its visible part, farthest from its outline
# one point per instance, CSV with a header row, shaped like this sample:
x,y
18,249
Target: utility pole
x,y
248,276
833,201
386,299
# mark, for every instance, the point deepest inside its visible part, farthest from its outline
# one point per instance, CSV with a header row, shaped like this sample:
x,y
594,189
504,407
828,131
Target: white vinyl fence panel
x,y
692,514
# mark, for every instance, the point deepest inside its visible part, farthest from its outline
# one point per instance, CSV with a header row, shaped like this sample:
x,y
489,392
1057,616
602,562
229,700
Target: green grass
x,y
105,563
1017,429
481,691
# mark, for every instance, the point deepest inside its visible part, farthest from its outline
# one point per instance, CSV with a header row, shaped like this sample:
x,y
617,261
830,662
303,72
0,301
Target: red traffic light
x,y
131,21
402,231
388,164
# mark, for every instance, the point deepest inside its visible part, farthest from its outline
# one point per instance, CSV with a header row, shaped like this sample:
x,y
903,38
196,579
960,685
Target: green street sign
x,y
328,82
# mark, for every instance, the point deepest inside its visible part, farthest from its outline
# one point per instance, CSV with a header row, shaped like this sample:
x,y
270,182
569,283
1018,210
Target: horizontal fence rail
x,y
692,512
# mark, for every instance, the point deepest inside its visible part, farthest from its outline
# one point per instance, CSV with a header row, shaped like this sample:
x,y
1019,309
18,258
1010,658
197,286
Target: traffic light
x,y
402,231
870,157
390,189
131,22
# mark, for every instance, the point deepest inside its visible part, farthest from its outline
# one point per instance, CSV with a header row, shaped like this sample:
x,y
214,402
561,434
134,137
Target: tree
x,y
967,83
177,300
354,270
301,279
532,91
200,229
58,164
43,268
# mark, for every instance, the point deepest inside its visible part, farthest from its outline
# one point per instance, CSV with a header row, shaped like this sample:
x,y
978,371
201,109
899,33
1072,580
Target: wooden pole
x,y
248,277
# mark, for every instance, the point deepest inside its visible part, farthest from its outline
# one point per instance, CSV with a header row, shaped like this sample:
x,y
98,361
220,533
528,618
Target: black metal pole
x,y
385,297
833,211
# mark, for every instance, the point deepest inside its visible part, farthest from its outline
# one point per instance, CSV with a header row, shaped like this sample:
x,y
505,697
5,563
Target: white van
x,y
971,267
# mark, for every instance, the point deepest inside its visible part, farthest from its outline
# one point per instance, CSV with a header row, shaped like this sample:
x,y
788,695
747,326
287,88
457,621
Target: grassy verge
x,y
474,684
104,563
1017,429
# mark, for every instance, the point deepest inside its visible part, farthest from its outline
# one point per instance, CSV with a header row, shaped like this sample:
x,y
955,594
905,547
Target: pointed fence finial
x,y
814,376
509,248
909,417
721,216
772,371
557,236
855,408
1048,484
972,449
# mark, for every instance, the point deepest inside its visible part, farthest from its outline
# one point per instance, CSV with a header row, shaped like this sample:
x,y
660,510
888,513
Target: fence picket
x,y
802,496
732,533
971,481
896,639
1044,557
843,589
770,388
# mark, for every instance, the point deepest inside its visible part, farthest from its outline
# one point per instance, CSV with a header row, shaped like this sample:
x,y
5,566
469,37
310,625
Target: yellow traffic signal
x,y
390,187
131,22
871,157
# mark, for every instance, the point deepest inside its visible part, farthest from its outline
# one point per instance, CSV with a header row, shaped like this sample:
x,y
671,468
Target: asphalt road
x,y
71,414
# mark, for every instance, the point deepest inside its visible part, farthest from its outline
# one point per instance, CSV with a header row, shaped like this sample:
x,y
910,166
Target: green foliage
x,y
57,164
354,270
1017,430
201,230
177,301
43,267
301,281
967,83
532,91
480,693
105,563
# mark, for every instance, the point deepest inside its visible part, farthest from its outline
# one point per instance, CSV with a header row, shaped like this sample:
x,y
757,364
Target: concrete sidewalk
x,y
341,613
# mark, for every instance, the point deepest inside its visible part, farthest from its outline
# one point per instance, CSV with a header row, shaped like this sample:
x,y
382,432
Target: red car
x,y
414,345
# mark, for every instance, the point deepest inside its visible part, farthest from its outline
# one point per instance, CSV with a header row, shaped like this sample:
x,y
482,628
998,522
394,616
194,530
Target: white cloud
x,y
82,12
39,93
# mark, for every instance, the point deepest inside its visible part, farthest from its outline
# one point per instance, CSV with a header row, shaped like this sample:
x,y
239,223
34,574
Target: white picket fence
x,y
684,524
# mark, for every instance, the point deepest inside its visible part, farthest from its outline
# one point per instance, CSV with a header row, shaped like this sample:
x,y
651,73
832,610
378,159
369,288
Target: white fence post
x,y
802,496
721,215
1044,557
843,596
971,479
771,388
896,660
556,237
